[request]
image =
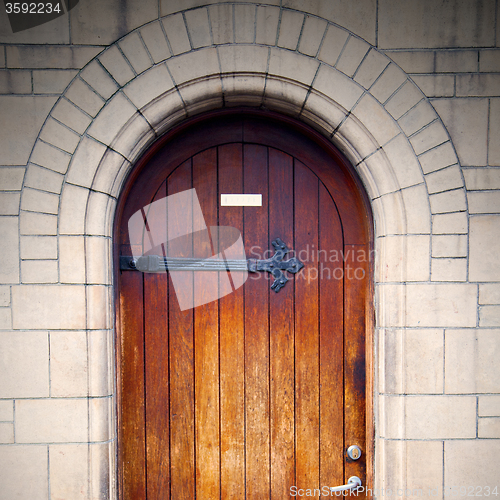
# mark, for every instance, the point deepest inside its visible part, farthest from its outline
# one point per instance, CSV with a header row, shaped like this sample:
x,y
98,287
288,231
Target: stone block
x,y
84,97
487,85
49,56
456,61
110,174
32,223
38,247
422,24
494,133
39,271
244,23
389,211
85,162
489,61
333,43
266,28
290,28
24,472
98,300
488,428
69,471
484,241
472,361
133,138
101,23
194,65
111,120
329,114
52,81
72,259
417,117
424,465
243,58
312,35
424,361
416,206
6,410
98,257
352,139
391,79
488,406
156,43
341,89
176,31
429,137
22,118
117,66
71,116
467,123
380,173
373,116
49,157
100,359
11,178
15,82
198,28
68,364
99,220
55,307
390,355
2,58
135,51
415,61
444,180
221,21
468,463
453,245
453,223
487,202
403,161
391,417
5,318
441,305
449,269
440,417
489,293
482,178
39,201
449,201
489,315
299,68
4,302
353,53
59,135
51,421
100,414
24,365
98,78
358,17
149,86
403,100
73,210
438,158
44,179
9,203
371,68
436,85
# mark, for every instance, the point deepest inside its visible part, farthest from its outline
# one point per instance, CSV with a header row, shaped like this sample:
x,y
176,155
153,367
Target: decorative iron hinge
x,y
275,265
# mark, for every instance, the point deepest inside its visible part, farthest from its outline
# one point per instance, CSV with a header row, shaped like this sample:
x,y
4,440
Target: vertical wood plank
x,y
157,372
232,343
133,448
281,326
331,303
206,328
182,447
307,330
256,330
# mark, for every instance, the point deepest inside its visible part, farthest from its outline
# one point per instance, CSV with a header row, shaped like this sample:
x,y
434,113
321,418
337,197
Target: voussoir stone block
x,y
118,67
59,135
193,65
80,94
371,68
44,179
155,41
312,35
243,58
221,21
198,28
67,113
136,53
98,78
50,157
266,28
352,55
290,28
403,161
332,45
337,86
244,23
177,35
85,162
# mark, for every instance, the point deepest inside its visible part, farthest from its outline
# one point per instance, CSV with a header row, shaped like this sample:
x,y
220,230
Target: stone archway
x,y
142,86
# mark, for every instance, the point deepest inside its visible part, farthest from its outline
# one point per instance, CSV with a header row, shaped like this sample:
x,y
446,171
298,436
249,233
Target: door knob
x,y
352,483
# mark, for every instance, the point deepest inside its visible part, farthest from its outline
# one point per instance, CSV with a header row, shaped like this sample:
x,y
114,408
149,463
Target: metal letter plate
x,y
240,200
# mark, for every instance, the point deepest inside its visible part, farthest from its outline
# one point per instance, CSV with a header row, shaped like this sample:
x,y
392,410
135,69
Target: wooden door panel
x,y
246,396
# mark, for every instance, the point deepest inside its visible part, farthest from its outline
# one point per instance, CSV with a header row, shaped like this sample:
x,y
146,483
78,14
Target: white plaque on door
x,y
241,200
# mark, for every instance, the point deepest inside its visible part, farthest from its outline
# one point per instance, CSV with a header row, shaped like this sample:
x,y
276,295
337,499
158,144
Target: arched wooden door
x,y
256,395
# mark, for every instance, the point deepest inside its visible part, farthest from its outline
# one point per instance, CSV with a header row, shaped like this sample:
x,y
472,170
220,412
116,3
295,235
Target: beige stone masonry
x,y
98,78
39,271
221,22
175,30
15,82
39,247
244,23
53,158
6,410
414,61
424,465
289,30
489,60
4,297
352,54
81,94
135,51
448,269
489,406
484,242
333,43
116,64
449,246
67,113
198,28
312,35
52,81
494,133
155,41
11,178
436,85
9,203
266,24
489,293
478,85
486,202
371,68
488,428
482,178
489,316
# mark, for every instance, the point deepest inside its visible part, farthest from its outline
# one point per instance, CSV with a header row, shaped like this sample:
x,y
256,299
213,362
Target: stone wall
x,y
410,91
